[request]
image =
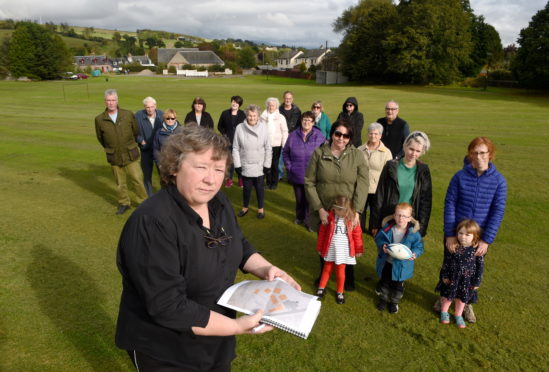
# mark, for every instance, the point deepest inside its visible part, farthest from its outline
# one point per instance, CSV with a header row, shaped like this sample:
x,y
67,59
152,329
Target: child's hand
x,y
475,288
413,257
446,281
385,248
359,254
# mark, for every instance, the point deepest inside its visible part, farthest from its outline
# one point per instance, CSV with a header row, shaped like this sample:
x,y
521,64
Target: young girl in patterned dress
x,y
339,242
461,273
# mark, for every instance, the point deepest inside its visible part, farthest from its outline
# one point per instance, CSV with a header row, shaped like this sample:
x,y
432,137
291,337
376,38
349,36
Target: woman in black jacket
x,y
226,125
199,115
350,114
405,180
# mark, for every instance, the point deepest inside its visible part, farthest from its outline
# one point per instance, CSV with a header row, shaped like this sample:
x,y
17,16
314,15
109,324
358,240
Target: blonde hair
x,y
342,202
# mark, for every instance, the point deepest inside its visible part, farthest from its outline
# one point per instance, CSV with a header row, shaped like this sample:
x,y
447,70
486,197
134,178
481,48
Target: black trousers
x,y
390,290
272,175
145,363
253,182
147,165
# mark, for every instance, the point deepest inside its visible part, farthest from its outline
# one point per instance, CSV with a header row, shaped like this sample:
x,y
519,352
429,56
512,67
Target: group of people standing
x,y
169,296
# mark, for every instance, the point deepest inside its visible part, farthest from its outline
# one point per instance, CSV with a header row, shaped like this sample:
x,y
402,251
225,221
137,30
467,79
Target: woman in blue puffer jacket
x,y
477,192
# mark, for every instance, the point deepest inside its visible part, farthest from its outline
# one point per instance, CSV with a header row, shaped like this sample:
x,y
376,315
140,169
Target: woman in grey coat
x,y
252,155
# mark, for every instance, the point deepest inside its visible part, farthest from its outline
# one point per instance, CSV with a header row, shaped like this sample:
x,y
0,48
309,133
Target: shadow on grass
x,y
96,179
72,301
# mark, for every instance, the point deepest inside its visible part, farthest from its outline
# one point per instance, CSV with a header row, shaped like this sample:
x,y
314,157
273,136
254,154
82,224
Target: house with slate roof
x,y
287,59
102,63
312,57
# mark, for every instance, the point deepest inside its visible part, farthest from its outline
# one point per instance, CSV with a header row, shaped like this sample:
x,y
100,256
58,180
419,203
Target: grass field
x,y
58,232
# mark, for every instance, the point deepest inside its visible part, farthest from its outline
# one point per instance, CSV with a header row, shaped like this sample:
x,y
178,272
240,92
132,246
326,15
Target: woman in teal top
x,y
321,119
405,180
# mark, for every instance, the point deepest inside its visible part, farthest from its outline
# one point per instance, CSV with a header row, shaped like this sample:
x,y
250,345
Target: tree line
x,y
435,41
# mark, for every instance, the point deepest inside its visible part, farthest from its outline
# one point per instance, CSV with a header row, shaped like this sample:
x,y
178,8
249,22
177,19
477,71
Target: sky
x,y
291,22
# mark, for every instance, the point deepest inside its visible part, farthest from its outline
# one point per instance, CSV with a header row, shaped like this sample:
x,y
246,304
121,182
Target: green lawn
x,y
58,232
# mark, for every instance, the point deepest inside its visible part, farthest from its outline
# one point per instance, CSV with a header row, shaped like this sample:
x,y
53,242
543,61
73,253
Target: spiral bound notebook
x,y
284,307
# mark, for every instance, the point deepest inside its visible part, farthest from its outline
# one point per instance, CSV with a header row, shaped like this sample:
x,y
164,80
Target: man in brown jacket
x,y
116,131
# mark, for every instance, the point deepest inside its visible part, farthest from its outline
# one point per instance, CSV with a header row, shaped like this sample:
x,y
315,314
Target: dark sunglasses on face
x,y
338,134
170,118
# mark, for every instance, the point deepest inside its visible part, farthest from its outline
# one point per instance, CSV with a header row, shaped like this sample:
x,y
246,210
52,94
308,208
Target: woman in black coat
x,y
226,125
199,115
405,180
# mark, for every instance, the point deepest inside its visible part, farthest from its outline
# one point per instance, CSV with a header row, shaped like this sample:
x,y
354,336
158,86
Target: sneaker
x,y
240,183
229,183
469,314
340,298
460,322
393,308
436,306
444,317
122,209
381,305
320,293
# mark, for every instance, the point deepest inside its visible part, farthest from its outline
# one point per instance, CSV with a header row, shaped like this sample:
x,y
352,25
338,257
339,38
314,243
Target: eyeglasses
x,y
402,216
316,107
338,134
349,105
391,108
215,242
480,153
170,118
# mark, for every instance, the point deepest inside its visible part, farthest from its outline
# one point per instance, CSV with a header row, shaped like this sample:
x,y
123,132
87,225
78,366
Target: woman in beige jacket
x,y
376,155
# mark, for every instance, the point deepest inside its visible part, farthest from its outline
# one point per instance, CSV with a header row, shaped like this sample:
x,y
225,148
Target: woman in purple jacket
x,y
477,192
299,148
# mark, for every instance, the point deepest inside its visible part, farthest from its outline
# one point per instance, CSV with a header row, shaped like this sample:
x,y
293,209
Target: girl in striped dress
x,y
339,242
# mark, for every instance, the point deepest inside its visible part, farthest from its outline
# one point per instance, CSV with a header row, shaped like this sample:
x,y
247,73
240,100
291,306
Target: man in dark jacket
x,y
116,131
395,129
149,121
350,114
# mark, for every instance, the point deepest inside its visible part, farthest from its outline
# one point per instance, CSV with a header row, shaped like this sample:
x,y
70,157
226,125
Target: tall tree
x,y
531,63
37,52
246,58
487,48
366,27
431,42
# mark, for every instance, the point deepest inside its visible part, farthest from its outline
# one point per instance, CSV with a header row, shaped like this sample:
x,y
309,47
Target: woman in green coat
x,y
336,168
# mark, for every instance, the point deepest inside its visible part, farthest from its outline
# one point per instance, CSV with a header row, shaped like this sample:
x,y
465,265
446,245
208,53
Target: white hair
x,y
375,126
149,100
270,99
111,92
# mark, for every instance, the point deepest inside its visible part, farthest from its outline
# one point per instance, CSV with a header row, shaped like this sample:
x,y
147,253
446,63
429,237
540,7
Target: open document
x,y
284,306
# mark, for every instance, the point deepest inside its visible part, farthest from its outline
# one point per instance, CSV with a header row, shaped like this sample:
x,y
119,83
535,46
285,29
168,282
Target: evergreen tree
x,y
246,58
531,63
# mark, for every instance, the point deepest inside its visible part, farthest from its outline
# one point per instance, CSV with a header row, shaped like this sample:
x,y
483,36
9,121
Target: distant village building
x,y
102,63
287,59
179,57
312,57
142,60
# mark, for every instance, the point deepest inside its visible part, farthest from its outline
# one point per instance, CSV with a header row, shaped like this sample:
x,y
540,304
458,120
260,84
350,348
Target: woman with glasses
x,y
177,254
299,148
376,156
322,121
199,115
477,192
350,113
170,125
336,168
405,180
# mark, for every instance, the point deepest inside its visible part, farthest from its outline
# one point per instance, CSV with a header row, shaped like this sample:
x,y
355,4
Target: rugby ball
x,y
399,251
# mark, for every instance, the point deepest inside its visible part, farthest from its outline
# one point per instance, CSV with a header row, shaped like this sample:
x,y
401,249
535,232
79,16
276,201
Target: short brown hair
x,y
481,141
472,228
191,139
404,206
169,112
